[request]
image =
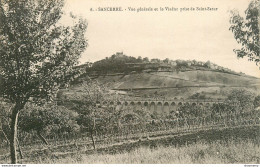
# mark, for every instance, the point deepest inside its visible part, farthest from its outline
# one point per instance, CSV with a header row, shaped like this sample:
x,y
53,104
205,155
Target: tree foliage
x,y
240,101
92,118
36,53
246,31
257,101
90,107
49,119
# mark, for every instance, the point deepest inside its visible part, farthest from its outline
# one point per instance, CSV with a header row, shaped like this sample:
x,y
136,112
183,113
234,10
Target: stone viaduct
x,y
158,105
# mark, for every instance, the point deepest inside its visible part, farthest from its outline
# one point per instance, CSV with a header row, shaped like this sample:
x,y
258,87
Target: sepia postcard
x,y
165,82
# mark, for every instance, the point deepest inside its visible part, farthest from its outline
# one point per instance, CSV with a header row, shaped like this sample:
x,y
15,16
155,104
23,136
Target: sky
x,y
187,35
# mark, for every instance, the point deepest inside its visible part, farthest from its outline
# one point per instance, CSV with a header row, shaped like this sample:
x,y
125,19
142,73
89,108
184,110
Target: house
x,y
189,63
119,54
164,68
173,63
200,63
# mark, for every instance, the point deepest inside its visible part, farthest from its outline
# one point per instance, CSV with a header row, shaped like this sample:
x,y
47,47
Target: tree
x,y
208,64
155,60
190,111
240,101
48,119
146,60
88,104
257,101
36,53
246,31
166,60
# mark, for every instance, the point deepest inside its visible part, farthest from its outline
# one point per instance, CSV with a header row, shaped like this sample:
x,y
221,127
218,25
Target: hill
x,y
166,78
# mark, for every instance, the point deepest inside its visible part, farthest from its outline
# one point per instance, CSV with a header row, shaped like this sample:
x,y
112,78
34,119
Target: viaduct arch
x,y
156,105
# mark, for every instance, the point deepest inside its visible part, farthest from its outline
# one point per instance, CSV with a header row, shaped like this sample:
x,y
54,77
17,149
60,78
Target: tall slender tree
x,y
37,53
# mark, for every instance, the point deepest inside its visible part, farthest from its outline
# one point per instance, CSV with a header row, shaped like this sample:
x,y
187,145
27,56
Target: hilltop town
x,y
120,63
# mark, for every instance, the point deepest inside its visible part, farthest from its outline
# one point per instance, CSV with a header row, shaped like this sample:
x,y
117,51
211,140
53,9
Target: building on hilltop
x,y
142,65
173,63
189,63
119,54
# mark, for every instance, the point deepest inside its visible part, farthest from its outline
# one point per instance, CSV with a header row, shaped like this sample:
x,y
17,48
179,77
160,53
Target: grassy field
x,y
239,151
224,145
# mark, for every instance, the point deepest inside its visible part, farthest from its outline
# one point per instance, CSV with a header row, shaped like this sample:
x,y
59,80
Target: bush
x,y
240,101
48,120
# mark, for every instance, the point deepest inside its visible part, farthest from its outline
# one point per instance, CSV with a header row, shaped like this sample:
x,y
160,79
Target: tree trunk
x,y
93,130
13,134
19,148
93,140
42,138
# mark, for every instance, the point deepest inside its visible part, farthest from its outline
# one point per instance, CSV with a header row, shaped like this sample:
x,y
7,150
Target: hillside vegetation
x,y
120,63
168,78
